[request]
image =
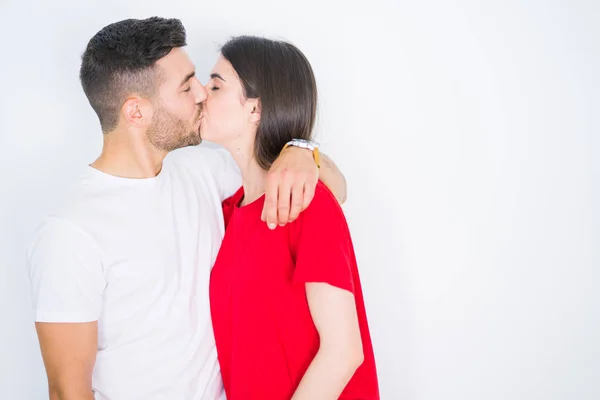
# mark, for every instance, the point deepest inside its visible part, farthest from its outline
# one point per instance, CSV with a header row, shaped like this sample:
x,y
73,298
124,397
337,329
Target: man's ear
x,y
137,112
255,110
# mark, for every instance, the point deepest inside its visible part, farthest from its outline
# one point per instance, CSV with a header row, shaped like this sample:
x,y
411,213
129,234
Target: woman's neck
x,y
254,178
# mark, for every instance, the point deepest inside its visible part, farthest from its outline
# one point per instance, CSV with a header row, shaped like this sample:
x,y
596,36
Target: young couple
x,y
169,277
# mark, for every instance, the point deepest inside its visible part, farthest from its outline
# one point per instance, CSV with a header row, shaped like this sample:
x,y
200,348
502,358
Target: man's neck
x,y
127,158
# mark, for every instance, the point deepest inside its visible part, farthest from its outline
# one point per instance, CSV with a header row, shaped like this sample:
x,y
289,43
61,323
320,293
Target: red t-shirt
x,y
264,332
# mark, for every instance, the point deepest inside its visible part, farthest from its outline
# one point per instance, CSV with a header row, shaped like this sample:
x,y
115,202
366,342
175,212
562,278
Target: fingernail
x,y
272,225
281,224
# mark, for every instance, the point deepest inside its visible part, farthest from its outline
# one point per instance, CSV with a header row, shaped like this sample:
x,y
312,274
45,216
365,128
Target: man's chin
x,y
195,140
203,136
191,140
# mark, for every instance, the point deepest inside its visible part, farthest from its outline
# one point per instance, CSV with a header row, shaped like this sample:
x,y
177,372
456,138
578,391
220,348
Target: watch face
x,y
306,143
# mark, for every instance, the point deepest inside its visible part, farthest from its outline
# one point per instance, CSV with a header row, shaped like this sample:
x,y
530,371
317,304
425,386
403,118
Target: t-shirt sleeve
x,y
66,274
209,159
321,243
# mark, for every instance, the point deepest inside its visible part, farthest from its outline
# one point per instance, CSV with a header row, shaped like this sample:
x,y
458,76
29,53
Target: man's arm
x,y
333,178
291,183
69,353
67,282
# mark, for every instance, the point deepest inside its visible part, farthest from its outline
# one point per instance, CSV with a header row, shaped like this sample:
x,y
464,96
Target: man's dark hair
x,y
280,76
120,60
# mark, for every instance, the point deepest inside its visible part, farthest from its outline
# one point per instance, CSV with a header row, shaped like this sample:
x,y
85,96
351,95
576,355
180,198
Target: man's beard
x,y
168,132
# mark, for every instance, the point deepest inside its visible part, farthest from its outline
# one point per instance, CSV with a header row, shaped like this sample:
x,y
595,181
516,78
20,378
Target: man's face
x,y
178,105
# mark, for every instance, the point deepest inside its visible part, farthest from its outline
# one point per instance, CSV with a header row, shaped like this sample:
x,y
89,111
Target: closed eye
x,y
214,88
188,89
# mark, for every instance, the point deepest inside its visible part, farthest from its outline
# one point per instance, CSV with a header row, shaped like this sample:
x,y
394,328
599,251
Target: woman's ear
x,y
254,106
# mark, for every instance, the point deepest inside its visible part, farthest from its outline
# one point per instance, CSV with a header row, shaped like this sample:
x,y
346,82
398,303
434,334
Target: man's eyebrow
x,y
217,76
188,77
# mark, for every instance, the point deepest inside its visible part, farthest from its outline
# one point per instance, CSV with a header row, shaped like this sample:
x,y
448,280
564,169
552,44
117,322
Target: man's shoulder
x,y
82,204
79,196
66,222
58,234
210,163
206,155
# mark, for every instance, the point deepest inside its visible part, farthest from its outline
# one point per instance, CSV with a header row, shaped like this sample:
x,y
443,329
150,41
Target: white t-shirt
x,y
136,255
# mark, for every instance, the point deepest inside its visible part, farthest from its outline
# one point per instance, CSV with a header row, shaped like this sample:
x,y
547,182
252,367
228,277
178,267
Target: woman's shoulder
x,y
323,207
324,197
321,225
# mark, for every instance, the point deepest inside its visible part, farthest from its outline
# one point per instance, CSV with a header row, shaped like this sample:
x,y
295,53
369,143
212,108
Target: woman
x,y
287,306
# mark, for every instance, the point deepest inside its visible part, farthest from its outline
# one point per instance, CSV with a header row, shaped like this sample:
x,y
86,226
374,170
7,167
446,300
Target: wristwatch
x,y
306,144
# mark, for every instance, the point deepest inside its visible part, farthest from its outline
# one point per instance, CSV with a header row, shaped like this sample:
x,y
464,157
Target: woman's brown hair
x,y
279,75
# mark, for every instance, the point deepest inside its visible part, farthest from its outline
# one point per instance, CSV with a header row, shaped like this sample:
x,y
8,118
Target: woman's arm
x,y
333,311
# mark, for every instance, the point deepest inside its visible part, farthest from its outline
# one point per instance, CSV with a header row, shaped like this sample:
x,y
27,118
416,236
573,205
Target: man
x,y
120,275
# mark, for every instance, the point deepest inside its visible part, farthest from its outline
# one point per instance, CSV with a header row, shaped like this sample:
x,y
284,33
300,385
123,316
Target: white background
x,y
467,130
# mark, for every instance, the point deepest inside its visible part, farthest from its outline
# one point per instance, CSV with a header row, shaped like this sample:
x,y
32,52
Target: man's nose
x,y
201,94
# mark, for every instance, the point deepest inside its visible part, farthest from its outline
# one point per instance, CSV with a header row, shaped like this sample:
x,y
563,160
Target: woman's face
x,y
228,116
